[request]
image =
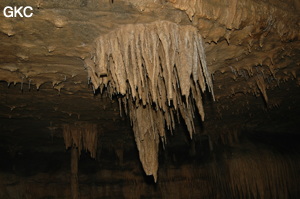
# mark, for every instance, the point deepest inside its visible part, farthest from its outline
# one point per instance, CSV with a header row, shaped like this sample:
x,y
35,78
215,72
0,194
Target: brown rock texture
x,y
151,77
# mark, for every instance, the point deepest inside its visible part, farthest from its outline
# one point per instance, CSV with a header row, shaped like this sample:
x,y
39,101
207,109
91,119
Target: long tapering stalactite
x,y
160,70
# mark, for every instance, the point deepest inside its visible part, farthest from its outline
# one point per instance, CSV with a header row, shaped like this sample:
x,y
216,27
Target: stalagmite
x,y
74,173
160,69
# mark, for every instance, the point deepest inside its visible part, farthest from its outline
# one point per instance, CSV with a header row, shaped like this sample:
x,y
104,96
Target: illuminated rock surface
x,y
198,84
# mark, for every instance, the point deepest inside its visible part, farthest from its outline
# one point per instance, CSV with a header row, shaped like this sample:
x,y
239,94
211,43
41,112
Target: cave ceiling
x,y
252,54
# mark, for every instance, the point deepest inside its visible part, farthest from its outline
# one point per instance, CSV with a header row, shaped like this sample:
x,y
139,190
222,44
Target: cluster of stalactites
x,y
82,136
161,71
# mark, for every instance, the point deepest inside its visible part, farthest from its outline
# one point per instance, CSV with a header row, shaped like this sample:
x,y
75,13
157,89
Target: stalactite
x,y
82,136
262,87
79,136
160,69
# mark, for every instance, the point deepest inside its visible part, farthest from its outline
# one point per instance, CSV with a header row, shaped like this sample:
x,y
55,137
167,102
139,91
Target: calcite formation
x,y
160,70
82,136
157,57
78,136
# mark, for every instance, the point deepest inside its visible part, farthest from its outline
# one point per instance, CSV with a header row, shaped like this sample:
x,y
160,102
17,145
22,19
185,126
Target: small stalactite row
x,y
160,70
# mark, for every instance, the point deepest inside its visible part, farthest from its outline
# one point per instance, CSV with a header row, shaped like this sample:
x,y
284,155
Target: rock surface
x,y
76,61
